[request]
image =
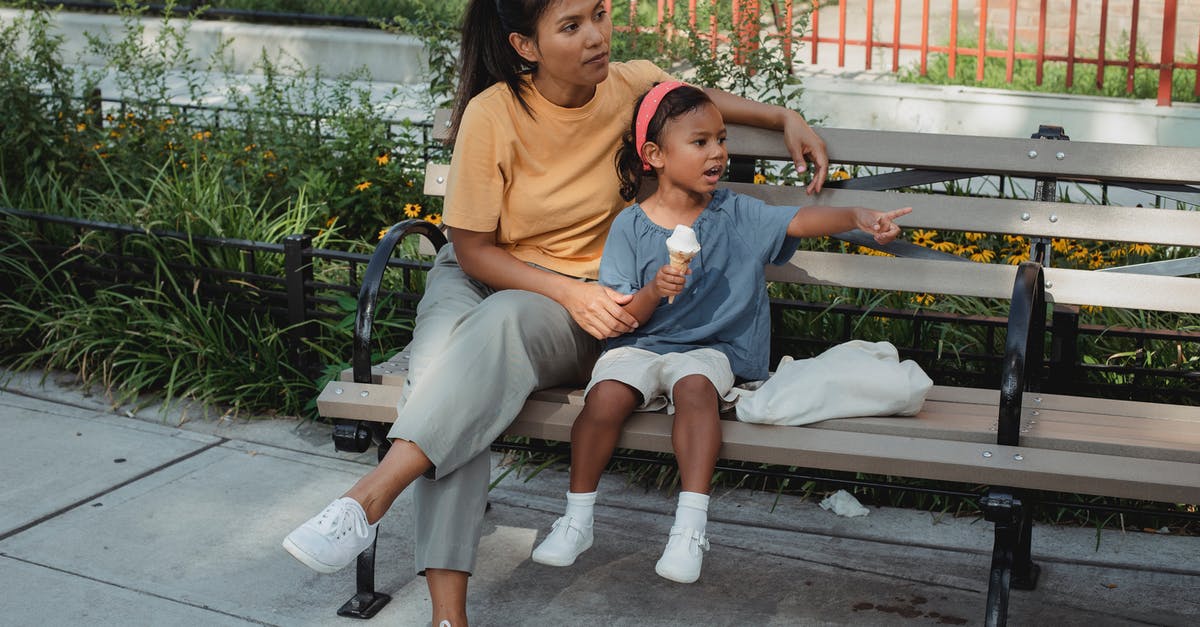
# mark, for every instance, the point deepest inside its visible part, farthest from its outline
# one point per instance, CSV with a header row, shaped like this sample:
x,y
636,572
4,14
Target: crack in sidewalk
x,y
138,477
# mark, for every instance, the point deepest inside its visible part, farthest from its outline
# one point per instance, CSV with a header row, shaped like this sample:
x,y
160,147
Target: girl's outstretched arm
x,y
802,142
818,221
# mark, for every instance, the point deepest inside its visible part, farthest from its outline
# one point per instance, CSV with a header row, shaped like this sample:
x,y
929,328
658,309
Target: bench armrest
x,y
1024,344
368,294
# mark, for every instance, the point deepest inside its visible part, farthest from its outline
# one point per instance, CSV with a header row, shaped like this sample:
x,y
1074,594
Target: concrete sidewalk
x,y
175,518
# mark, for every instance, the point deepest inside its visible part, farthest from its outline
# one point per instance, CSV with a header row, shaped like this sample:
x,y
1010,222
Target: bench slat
x,y
965,413
1127,291
436,176
993,155
940,421
946,460
1064,286
898,274
964,153
992,215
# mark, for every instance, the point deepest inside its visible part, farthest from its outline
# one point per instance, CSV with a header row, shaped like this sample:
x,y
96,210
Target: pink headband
x,y
646,111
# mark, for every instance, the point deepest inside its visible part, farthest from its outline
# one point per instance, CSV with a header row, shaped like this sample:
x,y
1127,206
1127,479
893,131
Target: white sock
x,y
692,511
580,506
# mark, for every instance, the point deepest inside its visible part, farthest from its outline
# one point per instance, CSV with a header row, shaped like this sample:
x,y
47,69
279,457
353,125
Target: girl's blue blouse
x,y
724,304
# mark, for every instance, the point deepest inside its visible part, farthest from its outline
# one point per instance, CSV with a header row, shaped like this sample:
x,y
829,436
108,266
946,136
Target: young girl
x,y
686,352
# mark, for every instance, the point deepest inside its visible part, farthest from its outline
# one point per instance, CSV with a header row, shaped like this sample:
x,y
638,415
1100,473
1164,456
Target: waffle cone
x,y
681,261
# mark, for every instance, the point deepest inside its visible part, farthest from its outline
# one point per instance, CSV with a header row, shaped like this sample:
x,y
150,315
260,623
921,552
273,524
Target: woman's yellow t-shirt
x,y
546,183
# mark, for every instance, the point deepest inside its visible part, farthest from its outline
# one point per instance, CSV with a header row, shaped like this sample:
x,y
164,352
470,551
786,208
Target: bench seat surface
x,y
1126,449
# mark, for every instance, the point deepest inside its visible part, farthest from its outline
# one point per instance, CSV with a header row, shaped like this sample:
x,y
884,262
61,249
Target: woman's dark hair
x,y
486,57
677,102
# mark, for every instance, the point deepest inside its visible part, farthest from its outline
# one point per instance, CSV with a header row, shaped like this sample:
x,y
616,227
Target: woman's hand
x,y
598,310
880,223
805,145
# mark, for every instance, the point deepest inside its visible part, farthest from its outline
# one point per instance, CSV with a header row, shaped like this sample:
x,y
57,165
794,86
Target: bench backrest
x,y
946,157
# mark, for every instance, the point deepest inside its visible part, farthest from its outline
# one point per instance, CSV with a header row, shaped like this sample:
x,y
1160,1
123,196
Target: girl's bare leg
x,y
596,431
696,432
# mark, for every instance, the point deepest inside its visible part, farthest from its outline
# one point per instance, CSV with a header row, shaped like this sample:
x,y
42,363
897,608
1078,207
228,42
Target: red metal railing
x,y
1037,44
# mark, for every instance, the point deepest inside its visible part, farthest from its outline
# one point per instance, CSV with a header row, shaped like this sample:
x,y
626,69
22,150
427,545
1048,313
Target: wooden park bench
x,y
1011,434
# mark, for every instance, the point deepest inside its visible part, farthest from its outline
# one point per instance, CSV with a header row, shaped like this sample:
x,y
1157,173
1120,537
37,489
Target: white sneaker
x,y
684,555
567,540
329,541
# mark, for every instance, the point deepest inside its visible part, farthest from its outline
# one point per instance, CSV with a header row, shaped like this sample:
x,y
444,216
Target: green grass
x,y
1145,84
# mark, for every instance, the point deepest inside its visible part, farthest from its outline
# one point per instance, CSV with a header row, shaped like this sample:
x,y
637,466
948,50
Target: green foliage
x,y
438,26
296,153
294,131
384,9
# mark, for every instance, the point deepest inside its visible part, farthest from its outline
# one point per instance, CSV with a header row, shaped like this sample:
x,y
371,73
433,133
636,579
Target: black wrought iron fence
x,y
298,285
305,287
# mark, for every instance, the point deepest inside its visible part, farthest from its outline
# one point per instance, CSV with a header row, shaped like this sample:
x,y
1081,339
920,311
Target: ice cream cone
x,y
682,246
679,260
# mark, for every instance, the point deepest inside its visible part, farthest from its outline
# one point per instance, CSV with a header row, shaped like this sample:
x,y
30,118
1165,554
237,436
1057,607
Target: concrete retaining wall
x,y
875,103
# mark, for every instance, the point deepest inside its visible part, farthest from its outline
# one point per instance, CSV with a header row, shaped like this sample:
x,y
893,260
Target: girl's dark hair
x,y
486,57
677,102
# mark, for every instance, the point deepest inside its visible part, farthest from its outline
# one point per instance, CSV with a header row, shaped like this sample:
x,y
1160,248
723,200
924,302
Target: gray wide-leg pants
x,y
476,355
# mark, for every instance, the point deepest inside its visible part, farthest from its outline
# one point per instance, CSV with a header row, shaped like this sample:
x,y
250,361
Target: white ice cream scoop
x,y
683,240
682,246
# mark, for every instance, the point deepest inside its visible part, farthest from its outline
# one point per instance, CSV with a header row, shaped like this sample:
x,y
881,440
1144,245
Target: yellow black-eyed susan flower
x,y
383,159
946,247
363,186
983,256
973,236
759,178
434,218
921,237
839,174
1017,259
1141,249
411,210
924,300
1060,245
382,232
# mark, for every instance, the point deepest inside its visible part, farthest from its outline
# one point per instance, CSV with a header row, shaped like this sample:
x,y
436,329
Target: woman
x,y
509,306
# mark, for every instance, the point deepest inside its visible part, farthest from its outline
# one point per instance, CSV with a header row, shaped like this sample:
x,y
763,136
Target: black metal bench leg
x,y
366,602
1000,580
1012,563
1024,571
